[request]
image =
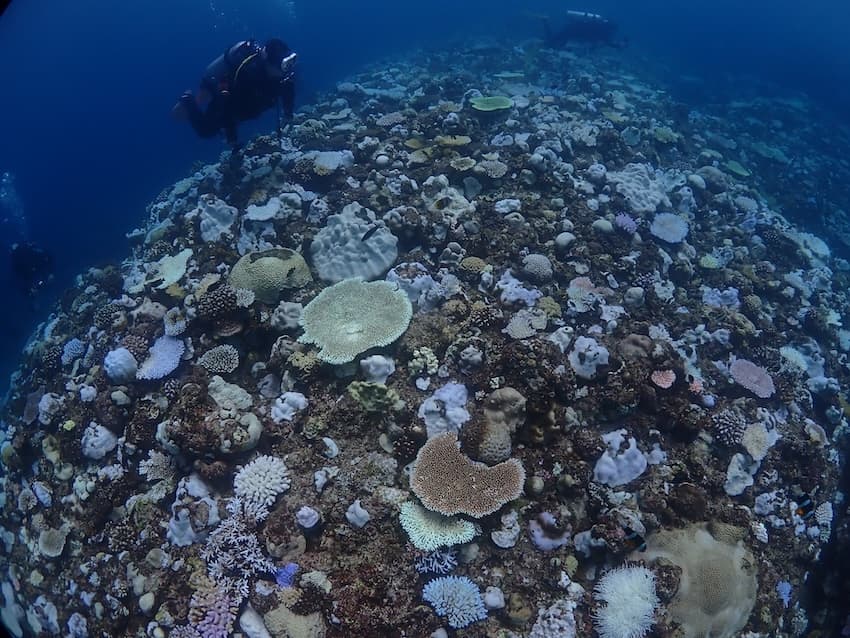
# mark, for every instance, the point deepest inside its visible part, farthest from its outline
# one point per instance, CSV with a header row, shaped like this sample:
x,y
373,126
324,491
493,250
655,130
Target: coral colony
x,y
458,352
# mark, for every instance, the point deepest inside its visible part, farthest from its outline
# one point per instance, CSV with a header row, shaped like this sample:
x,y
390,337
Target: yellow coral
x,y
472,265
452,140
490,103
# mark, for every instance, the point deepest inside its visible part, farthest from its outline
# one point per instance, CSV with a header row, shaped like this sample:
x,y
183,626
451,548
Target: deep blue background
x,y
87,87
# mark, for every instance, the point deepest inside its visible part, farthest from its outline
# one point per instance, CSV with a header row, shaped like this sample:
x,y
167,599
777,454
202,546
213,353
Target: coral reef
x,y
512,353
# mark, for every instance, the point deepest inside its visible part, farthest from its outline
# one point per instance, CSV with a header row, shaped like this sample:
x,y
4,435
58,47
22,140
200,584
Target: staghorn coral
x,y
232,552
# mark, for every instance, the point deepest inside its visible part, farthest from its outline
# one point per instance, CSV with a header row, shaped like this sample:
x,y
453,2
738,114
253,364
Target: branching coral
x,y
232,551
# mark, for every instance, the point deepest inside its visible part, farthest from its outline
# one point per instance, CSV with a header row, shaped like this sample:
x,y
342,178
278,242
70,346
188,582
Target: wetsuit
x,y
242,88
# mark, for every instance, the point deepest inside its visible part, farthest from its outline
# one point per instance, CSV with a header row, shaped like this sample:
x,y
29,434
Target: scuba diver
x,y
583,27
239,85
32,267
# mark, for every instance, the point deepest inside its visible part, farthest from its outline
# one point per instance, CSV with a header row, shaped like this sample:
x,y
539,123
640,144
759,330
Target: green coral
x,y
374,397
269,272
304,363
710,262
551,307
491,103
664,135
735,167
314,428
424,362
353,316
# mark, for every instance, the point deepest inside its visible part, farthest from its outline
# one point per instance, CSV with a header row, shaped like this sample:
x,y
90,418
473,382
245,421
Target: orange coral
x,y
448,482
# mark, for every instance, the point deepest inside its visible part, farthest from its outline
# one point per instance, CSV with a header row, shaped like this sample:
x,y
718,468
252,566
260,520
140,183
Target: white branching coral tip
x,y
261,481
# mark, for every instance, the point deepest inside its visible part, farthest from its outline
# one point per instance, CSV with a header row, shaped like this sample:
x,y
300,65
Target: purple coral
x,y
784,589
285,576
625,222
212,611
440,561
219,612
754,378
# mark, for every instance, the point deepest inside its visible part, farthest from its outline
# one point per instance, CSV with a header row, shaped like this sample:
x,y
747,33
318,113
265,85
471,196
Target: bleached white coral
x,y
339,252
669,227
157,467
631,601
287,405
245,297
261,481
163,358
430,530
456,598
232,552
759,531
556,621
824,514
98,441
174,322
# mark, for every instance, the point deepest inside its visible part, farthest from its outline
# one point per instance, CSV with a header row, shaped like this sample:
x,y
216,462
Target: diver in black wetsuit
x,y
239,85
583,27
32,267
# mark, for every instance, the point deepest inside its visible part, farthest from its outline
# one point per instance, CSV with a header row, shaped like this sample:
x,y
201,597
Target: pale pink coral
x,y
663,378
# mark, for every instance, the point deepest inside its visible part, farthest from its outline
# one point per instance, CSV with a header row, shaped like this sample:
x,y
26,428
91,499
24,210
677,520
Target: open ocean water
x,y
621,283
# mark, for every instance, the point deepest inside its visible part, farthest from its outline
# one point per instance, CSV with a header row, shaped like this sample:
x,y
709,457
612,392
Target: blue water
x,y
88,87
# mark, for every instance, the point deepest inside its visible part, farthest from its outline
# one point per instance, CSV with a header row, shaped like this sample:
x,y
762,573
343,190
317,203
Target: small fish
x,y
441,203
633,541
370,232
805,509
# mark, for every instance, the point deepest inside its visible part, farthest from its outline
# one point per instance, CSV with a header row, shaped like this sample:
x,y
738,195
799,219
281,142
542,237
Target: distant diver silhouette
x,y
32,267
583,27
